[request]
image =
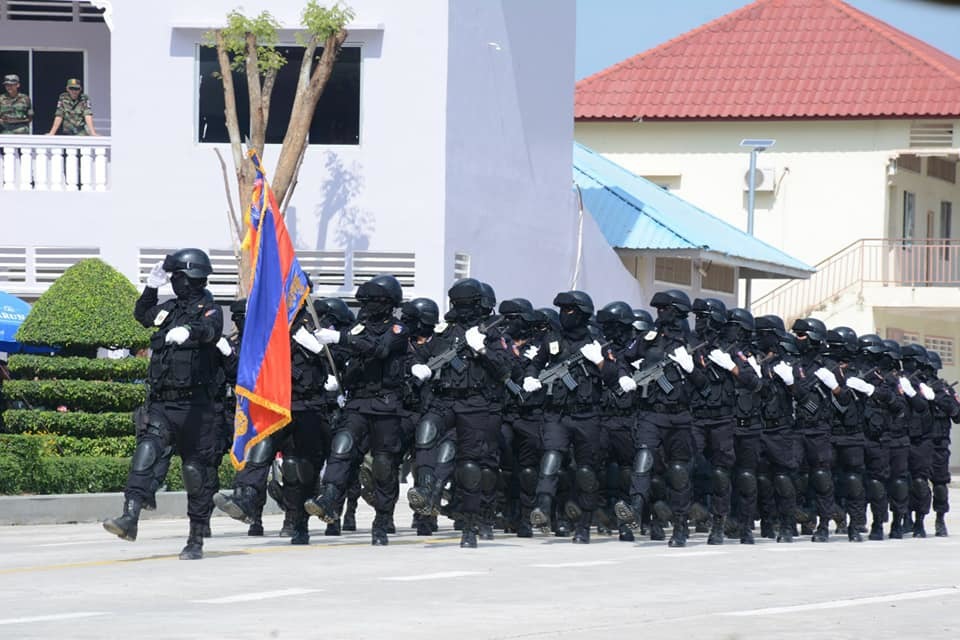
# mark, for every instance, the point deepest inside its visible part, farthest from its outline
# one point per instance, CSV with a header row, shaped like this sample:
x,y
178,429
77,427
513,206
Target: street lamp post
x,y
756,145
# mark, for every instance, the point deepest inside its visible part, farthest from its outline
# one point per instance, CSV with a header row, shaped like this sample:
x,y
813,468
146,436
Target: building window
x,y
909,214
946,226
925,134
461,265
909,161
673,271
719,278
336,120
942,169
43,76
943,347
903,337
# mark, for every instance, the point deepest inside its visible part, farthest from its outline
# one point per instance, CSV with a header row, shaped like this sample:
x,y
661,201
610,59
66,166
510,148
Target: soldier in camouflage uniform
x,y
74,112
16,111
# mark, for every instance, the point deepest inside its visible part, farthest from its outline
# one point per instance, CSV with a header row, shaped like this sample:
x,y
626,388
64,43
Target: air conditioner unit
x,y
766,179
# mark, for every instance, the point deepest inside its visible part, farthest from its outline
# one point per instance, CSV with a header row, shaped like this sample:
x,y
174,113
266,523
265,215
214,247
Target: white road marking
x,y
68,544
435,576
563,565
58,616
838,604
254,597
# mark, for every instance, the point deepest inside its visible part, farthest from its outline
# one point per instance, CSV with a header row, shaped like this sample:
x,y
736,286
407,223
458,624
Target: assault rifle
x,y
654,373
452,355
561,371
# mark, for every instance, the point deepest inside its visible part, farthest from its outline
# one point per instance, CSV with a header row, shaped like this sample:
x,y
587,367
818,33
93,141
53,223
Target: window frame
x,y
29,90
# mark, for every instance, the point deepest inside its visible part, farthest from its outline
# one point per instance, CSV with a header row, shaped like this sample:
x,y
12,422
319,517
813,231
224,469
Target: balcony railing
x,y
887,262
54,163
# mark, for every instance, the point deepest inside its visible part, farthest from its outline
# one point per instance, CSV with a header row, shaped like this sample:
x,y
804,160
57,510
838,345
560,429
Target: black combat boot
x,y
563,528
581,533
422,524
485,525
333,529
423,496
301,529
940,526
679,536
876,530
896,526
391,525
786,533
524,530
468,538
919,531
822,534
716,531
125,526
907,521
378,534
746,533
699,516
657,534
194,548
540,514
350,516
629,514
286,529
324,506
767,530
256,528
626,534
239,504
841,521
853,533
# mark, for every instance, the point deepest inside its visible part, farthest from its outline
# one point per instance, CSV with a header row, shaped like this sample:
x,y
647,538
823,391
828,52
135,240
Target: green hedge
x,y
72,423
27,367
89,306
76,395
51,445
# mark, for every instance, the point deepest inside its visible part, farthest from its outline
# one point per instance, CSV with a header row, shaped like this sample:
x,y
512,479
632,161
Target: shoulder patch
x,y
440,327
554,347
161,316
357,330
209,313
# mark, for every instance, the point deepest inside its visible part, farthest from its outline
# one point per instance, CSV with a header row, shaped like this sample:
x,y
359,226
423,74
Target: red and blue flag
x,y
277,292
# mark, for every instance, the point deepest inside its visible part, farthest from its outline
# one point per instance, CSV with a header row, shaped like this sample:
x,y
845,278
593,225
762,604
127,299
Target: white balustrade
x,y
54,163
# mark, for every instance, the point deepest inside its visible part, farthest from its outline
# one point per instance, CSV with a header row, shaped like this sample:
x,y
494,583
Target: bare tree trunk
x,y
258,124
240,164
309,89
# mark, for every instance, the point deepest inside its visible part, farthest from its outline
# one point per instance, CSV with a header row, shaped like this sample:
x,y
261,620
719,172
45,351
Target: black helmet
x,y
466,290
893,349
711,308
934,361
578,299
770,323
519,307
550,317
618,311
642,320
671,298
488,298
843,339
385,287
813,328
193,262
788,342
424,310
336,309
742,318
914,352
872,343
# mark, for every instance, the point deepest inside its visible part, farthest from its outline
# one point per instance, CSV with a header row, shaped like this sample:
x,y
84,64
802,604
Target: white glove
x,y
593,352
907,388
178,335
327,336
858,384
531,352
224,347
650,335
341,400
722,359
627,384
926,391
785,372
531,384
331,384
421,372
475,340
307,341
826,377
636,363
682,358
158,277
754,365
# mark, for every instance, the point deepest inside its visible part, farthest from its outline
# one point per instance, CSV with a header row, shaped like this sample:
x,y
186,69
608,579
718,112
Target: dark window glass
x,y
51,69
335,121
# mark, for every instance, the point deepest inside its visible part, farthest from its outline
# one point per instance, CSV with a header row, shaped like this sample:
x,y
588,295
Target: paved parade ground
x,y
76,581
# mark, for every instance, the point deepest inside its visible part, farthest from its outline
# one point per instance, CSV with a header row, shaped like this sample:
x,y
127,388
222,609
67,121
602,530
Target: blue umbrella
x,y
13,311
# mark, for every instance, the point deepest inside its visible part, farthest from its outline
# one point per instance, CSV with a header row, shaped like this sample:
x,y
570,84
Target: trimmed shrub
x,y
50,445
11,474
79,475
72,423
76,395
27,367
89,306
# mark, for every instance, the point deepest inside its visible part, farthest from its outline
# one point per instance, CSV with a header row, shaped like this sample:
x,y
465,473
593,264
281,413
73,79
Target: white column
x,y
71,172
86,170
56,169
41,177
100,168
9,169
26,168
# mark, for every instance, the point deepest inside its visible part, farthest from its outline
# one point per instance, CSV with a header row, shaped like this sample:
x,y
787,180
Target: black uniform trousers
x,y
898,451
849,460
713,437
646,435
876,459
778,452
747,446
940,473
619,429
818,455
677,445
527,446
921,465
580,430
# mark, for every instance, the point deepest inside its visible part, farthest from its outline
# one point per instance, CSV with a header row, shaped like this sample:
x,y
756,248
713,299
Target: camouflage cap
x,y
11,78
73,82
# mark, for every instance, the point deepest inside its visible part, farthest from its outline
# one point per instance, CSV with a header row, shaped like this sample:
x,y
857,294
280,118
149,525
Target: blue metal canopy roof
x,y
634,213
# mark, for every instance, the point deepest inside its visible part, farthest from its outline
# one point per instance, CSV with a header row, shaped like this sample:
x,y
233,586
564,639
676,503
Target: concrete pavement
x,y
77,581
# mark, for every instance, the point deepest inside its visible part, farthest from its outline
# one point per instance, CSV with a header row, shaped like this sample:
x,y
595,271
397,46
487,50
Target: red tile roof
x,y
779,59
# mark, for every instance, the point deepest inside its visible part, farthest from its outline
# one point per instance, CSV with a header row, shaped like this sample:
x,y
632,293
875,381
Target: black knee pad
x,y
643,461
342,445
875,490
678,476
145,455
528,480
384,468
855,485
920,486
721,480
899,490
427,431
262,452
469,476
446,452
746,483
822,481
293,470
193,477
550,463
587,480
784,485
941,493
764,484
488,479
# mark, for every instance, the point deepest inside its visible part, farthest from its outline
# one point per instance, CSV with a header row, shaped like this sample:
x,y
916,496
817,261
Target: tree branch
x,y
269,79
229,101
255,94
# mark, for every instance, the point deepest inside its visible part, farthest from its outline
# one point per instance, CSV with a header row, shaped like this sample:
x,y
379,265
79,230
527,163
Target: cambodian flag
x,y
278,290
